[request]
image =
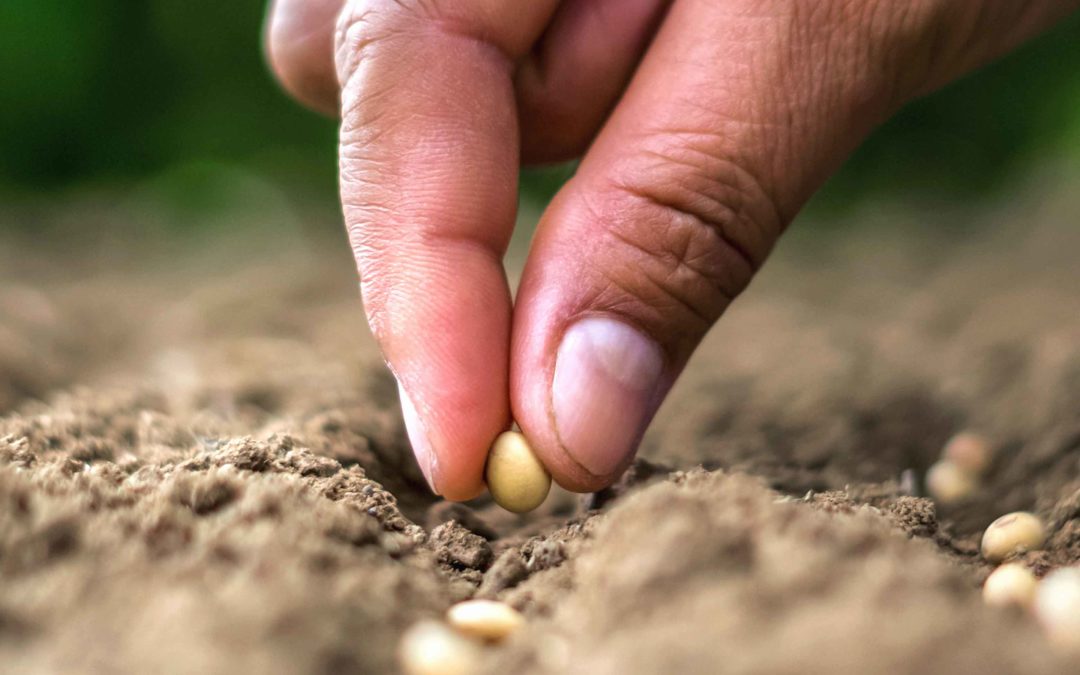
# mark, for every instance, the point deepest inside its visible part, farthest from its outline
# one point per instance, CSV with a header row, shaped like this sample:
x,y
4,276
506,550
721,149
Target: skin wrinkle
x,y
410,218
366,104
357,130
878,57
693,140
361,151
714,215
372,241
356,181
735,208
803,95
395,270
809,90
673,263
354,35
678,293
612,297
632,296
384,36
364,121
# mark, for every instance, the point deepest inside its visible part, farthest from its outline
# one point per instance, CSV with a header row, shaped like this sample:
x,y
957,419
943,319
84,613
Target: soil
x,y
203,468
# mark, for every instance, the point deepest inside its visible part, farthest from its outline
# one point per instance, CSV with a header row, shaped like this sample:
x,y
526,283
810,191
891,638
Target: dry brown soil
x,y
203,469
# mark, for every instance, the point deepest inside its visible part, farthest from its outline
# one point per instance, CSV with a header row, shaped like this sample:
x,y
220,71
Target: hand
x,y
707,126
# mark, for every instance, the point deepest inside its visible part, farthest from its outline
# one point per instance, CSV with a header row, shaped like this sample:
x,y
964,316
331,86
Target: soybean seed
x,y
432,648
516,478
968,451
947,483
1057,606
1010,584
1017,532
486,619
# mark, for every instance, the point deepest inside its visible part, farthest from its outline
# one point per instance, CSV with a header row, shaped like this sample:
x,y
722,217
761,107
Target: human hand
x,y
707,126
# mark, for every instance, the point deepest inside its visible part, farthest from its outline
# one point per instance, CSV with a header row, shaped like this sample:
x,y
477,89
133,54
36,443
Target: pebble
x,y
947,483
487,619
432,648
1017,532
1010,584
969,451
517,480
1057,607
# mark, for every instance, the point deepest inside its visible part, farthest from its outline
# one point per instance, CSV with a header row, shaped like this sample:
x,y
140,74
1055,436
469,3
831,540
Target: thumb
x,y
736,115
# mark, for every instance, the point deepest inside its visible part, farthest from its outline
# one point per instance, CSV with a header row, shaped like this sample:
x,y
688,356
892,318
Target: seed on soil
x,y
1017,532
516,478
969,451
1010,584
947,483
1057,606
432,648
486,619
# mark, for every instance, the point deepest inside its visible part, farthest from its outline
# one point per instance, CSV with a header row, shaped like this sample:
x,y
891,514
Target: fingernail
x,y
606,374
425,456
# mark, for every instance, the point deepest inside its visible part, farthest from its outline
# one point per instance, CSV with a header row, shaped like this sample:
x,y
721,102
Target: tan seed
x,y
947,483
1010,584
968,451
516,478
486,619
1057,606
1017,532
432,648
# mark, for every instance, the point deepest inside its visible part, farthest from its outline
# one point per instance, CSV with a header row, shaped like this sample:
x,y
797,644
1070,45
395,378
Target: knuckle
x,y
359,25
685,176
697,229
364,24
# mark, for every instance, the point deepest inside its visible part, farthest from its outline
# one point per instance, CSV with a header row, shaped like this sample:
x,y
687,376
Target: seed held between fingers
x,y
515,476
487,619
1017,532
1010,584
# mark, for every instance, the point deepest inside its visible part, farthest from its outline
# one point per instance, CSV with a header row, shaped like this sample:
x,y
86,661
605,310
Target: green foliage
x,y
114,91
970,138
104,90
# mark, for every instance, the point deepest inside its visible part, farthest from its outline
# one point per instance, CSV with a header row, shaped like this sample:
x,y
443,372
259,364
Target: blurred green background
x,y
111,94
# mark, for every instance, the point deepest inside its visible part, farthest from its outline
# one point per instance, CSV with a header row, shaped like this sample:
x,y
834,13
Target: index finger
x,y
429,160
